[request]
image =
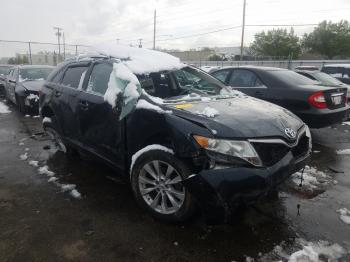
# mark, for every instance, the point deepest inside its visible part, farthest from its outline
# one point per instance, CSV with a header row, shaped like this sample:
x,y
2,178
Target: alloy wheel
x,y
161,187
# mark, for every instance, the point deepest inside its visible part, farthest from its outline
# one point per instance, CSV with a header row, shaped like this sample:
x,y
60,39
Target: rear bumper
x,y
325,119
219,190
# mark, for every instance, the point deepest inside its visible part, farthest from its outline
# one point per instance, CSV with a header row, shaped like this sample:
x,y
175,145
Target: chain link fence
x,y
22,52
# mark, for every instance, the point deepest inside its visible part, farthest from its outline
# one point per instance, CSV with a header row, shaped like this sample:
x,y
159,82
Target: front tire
x,y
156,181
21,106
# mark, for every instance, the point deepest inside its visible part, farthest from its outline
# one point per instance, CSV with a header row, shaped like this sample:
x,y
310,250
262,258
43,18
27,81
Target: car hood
x,y
240,117
33,85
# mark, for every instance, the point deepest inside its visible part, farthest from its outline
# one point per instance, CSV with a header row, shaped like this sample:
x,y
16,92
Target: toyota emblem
x,y
290,133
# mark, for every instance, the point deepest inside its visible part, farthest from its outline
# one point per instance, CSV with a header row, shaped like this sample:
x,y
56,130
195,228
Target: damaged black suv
x,y
185,139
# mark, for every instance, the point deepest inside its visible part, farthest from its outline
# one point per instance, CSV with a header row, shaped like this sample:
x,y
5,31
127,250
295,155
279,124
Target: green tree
x,y
276,42
25,60
215,57
11,61
329,39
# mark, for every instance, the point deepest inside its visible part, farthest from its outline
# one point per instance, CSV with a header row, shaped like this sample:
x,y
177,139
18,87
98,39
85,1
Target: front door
x,y
67,96
100,129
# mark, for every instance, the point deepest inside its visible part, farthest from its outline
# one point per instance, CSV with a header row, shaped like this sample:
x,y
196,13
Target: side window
x,y
99,78
14,74
9,75
57,77
221,75
244,78
73,75
309,76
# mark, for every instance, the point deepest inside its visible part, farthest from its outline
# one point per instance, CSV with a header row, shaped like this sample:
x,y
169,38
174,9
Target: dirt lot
x,y
42,221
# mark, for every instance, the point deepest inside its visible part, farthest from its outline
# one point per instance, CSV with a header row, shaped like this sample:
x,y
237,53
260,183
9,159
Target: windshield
x,y
326,79
291,77
27,74
184,84
4,70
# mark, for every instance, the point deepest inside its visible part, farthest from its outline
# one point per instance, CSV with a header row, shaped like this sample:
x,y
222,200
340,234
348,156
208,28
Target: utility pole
x,y
140,42
64,47
243,27
154,29
58,33
30,53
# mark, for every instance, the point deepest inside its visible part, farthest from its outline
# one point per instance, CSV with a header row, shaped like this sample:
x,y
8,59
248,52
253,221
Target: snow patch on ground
x,y
344,215
4,108
313,180
346,123
343,152
74,193
146,149
209,112
307,252
67,187
24,156
33,163
44,170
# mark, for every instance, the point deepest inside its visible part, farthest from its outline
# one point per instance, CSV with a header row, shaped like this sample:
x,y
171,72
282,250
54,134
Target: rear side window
x,y
244,78
221,75
99,78
290,77
73,75
334,71
307,75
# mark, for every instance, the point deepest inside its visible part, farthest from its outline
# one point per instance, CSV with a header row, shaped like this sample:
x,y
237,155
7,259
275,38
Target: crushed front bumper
x,y
32,101
217,191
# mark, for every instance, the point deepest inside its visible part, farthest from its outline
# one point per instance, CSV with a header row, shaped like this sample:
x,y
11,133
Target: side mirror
x,y
12,81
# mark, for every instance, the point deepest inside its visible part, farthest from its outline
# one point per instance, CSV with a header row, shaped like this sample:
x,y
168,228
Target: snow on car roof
x,y
139,60
338,65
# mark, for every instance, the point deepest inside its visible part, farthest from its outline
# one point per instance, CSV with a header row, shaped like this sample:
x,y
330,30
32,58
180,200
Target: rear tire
x,y
156,181
57,140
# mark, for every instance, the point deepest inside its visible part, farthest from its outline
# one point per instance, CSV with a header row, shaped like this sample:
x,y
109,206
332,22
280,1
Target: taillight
x,y
318,100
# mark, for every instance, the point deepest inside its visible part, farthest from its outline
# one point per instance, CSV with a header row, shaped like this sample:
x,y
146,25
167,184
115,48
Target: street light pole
x,y
243,27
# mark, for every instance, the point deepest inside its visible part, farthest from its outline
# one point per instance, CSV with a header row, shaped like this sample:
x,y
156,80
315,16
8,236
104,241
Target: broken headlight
x,y
229,151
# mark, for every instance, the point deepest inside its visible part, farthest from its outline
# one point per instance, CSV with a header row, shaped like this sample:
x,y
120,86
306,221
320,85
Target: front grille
x,y
302,147
271,153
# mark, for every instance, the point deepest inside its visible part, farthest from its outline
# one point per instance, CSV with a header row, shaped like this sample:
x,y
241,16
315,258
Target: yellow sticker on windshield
x,y
181,106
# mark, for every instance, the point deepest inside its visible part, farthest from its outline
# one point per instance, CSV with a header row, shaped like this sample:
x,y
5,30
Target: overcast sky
x,y
93,21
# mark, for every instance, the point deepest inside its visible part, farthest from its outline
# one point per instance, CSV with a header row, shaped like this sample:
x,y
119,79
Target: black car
x,y
4,70
23,84
186,141
318,106
339,71
324,79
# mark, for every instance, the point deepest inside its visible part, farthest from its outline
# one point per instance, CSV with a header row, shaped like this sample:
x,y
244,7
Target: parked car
x,y
339,71
324,79
318,106
4,69
23,83
307,68
188,140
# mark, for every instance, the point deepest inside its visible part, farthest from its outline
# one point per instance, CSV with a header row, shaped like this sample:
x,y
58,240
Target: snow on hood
x,y
140,60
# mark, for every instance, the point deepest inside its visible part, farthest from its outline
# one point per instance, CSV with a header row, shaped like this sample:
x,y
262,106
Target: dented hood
x,y
240,117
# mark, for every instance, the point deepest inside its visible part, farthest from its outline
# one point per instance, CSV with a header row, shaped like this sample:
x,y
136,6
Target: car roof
x,y
256,68
338,65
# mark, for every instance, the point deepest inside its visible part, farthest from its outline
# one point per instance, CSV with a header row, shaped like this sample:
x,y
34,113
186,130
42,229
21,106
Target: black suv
x,y
188,141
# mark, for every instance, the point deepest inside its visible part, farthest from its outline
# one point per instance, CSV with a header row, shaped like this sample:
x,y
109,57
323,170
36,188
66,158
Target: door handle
x,y
57,93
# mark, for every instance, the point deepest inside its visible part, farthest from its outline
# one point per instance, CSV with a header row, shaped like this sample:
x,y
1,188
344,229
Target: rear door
x,y
99,126
248,82
67,98
11,84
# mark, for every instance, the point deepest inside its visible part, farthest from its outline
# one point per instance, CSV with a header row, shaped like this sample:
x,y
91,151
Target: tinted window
x,y
244,78
333,70
72,76
326,79
307,75
98,81
291,77
221,75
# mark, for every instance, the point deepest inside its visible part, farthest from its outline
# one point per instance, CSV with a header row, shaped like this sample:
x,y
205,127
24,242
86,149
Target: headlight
x,y
228,150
